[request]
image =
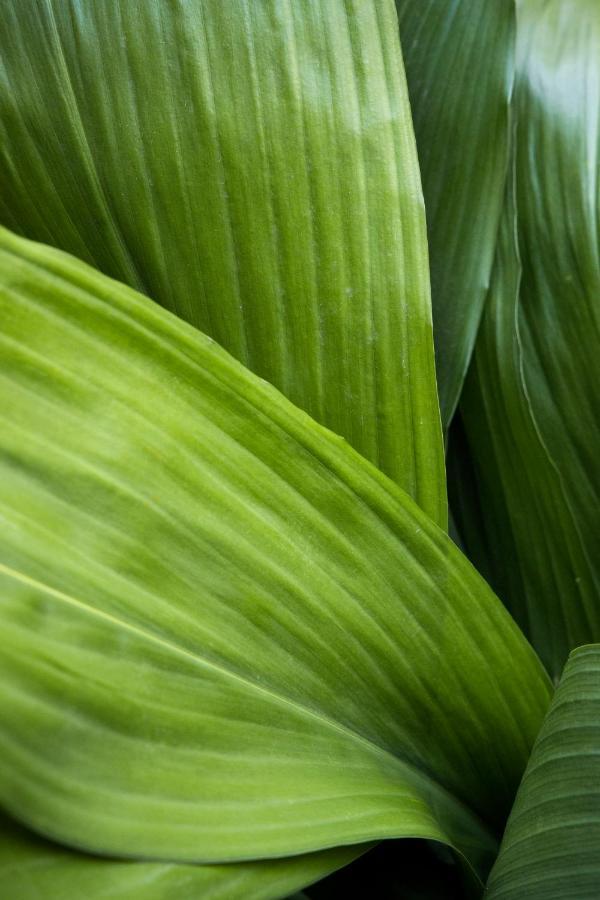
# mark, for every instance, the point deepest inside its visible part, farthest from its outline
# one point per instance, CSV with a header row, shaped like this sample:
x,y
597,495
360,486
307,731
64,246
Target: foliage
x,y
239,647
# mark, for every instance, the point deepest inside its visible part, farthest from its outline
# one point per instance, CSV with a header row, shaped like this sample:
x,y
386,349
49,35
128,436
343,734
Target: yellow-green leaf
x,y
31,867
225,634
251,166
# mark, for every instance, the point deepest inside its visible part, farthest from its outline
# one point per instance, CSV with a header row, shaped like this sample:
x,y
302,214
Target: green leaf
x,y
251,166
551,847
503,508
225,634
531,409
31,867
459,58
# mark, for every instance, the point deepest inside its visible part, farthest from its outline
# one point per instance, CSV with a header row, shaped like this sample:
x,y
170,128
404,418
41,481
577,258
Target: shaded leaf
x,y
251,166
551,847
459,58
406,869
531,409
226,634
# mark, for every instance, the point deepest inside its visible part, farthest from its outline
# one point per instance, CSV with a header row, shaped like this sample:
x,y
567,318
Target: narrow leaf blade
x,y
459,59
551,847
531,410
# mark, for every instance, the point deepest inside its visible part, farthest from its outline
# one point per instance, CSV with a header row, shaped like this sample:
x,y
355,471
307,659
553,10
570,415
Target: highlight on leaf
x,y
240,656
251,166
273,627
530,409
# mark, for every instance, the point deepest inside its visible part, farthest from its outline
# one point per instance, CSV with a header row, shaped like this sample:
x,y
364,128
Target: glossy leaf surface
x,y
459,58
226,635
531,409
31,867
251,166
551,848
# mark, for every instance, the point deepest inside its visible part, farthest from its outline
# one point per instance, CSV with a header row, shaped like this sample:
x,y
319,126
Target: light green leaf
x,y
31,867
531,410
251,166
551,847
226,634
459,58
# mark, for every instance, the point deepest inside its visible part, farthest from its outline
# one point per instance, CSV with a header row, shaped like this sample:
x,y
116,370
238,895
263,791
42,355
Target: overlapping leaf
x,y
551,848
531,409
225,634
251,166
459,62
31,867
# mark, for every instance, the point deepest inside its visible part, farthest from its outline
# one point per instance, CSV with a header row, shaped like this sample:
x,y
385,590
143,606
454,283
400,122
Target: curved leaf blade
x,y
251,166
531,411
551,847
31,867
459,59
285,630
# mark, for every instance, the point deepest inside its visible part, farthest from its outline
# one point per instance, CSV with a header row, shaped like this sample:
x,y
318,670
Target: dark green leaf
x,y
459,62
532,406
551,848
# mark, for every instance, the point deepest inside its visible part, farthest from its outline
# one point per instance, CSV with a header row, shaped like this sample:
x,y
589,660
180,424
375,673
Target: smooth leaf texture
x,y
252,167
459,58
226,634
31,867
531,410
508,512
551,848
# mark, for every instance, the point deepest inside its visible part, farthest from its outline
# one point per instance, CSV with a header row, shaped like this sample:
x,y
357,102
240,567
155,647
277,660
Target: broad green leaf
x,y
459,58
31,867
551,847
531,410
251,166
226,634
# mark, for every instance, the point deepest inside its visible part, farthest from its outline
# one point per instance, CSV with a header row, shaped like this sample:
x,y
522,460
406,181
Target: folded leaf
x,y
31,867
226,634
551,847
507,512
459,58
531,411
251,166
